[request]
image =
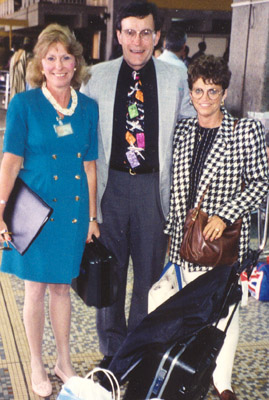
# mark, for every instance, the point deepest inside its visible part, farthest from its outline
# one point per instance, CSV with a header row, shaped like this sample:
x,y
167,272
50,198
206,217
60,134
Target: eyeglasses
x,y
213,94
145,34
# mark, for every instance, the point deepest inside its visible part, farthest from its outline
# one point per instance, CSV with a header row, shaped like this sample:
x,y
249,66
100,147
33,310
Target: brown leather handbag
x,y
195,249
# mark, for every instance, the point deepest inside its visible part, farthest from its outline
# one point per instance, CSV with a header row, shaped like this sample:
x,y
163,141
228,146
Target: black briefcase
x,y
183,371
97,283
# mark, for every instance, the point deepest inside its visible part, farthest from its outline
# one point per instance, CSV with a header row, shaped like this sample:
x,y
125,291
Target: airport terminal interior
x,y
251,369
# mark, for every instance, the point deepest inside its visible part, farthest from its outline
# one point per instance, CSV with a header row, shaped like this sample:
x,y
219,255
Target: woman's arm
x,y
255,178
90,169
10,167
255,174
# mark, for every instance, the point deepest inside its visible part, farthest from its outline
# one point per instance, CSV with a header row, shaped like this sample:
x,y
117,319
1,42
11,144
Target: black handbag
x,y
97,283
25,215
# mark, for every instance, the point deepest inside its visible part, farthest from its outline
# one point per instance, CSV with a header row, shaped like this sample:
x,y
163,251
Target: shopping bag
x,y
77,388
169,284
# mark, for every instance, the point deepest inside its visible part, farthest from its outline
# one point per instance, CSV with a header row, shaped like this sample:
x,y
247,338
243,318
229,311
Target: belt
x,y
131,171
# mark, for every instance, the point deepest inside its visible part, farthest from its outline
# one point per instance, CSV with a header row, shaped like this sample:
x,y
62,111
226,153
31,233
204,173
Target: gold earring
x,y
222,103
42,72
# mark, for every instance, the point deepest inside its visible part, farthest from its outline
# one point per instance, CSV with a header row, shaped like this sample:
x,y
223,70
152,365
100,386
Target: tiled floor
x,y
250,371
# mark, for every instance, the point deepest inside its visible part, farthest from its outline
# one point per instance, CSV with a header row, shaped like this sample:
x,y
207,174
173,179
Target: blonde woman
x,y
50,142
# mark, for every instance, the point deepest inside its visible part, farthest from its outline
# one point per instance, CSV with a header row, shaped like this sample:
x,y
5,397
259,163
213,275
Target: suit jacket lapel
x,y
184,147
106,105
167,103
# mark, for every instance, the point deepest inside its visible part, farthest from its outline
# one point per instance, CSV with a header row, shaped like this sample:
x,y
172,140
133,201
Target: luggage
x,y
183,371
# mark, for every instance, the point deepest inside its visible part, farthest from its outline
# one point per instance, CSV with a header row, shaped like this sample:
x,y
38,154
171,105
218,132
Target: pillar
x,y
249,58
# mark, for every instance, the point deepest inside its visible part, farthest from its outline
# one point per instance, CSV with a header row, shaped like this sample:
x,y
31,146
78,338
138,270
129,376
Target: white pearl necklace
x,y
65,111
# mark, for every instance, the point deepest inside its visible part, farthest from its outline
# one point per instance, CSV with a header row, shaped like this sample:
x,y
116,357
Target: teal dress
x,y
53,168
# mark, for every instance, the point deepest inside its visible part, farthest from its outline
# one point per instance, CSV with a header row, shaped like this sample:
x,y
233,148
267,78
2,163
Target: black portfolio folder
x,y
25,215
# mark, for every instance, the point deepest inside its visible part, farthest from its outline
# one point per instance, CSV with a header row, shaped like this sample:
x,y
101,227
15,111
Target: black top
x,y
203,142
151,127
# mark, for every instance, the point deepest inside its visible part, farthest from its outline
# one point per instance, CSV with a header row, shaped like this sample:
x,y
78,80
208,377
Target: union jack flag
x,y
258,283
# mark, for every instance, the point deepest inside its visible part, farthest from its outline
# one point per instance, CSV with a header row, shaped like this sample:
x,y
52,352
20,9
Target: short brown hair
x,y
52,34
210,69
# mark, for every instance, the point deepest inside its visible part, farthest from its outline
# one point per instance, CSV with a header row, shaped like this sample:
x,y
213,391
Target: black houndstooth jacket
x,y
236,155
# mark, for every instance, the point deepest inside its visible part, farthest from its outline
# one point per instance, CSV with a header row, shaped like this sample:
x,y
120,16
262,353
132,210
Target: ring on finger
x,y
217,229
3,231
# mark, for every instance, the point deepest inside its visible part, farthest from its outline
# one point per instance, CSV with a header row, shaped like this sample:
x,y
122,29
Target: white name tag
x,y
63,130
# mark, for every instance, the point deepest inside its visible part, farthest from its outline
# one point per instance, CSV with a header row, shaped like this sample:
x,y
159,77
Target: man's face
x,y
137,38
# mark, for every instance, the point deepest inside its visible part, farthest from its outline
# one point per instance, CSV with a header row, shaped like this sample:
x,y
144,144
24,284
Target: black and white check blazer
x,y
236,155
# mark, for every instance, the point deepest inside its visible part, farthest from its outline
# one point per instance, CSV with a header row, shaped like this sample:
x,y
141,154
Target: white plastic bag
x,y
77,388
168,285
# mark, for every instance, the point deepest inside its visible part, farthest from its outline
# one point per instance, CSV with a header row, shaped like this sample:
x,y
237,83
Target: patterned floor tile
x,y
250,375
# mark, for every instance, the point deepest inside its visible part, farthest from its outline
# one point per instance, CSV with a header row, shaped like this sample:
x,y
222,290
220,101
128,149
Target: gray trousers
x,y
133,224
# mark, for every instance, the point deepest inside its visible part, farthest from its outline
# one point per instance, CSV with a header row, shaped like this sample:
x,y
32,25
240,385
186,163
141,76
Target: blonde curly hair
x,y
52,34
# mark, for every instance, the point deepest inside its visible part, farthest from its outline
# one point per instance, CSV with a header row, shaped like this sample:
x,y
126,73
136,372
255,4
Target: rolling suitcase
x,y
184,370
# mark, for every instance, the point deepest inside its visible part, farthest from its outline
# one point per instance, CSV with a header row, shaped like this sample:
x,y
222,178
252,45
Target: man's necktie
x,y
135,135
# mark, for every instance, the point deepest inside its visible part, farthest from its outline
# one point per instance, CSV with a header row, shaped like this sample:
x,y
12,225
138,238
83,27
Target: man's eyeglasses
x,y
213,94
145,34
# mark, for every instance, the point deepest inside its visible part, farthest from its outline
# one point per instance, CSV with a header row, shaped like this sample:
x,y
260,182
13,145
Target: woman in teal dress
x,y
51,143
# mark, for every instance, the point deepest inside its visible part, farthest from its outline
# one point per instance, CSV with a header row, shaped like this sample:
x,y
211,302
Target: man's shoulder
x,y
98,73
105,66
167,68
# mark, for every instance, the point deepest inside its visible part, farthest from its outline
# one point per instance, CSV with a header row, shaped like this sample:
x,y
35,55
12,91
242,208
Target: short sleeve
x,y
92,153
16,127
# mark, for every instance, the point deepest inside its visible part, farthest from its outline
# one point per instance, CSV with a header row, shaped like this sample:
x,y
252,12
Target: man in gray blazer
x,y
134,164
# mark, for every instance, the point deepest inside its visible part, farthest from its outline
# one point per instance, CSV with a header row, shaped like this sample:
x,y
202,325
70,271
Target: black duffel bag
x,y
97,283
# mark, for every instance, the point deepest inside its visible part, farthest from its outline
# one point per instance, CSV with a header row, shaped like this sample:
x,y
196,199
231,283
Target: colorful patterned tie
x,y
135,123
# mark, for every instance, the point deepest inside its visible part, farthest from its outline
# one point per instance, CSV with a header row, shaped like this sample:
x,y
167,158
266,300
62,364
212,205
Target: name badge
x,y
63,130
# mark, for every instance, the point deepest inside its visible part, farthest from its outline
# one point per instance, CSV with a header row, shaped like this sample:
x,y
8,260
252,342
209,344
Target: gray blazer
x,y
172,106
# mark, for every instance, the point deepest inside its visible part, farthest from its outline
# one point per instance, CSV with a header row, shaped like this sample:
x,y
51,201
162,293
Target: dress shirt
x,y
151,126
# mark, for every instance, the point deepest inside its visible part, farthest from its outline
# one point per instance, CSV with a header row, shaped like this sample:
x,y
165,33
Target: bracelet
x,y
93,219
3,202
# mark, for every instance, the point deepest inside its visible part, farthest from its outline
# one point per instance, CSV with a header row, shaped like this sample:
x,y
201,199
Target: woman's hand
x,y
214,228
93,230
4,234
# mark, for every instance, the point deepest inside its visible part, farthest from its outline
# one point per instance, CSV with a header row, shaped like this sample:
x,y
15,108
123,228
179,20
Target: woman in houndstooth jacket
x,y
210,150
